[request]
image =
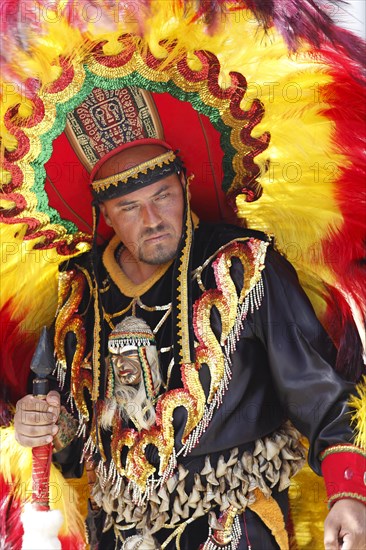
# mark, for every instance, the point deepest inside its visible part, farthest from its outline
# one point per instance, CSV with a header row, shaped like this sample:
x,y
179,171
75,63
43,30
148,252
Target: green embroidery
x,y
133,79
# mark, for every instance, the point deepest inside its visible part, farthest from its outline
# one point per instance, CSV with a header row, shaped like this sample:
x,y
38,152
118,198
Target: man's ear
x,y
105,214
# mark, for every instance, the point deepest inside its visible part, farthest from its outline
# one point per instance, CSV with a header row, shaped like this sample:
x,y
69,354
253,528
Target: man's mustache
x,y
151,231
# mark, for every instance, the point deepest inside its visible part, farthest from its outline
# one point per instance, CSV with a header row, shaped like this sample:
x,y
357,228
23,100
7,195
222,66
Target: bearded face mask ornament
x,y
126,367
134,374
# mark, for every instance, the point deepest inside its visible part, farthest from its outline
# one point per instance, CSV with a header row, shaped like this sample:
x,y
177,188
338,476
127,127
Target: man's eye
x,y
163,196
129,208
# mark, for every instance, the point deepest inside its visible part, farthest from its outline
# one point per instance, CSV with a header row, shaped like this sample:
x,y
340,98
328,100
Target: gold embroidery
x,y
120,438
211,352
226,301
71,289
182,294
138,468
96,346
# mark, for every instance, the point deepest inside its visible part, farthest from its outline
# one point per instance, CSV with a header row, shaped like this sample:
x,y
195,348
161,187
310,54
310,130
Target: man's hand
x,y
345,526
35,419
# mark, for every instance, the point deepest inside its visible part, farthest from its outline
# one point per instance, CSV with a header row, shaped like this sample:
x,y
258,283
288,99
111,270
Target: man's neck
x,y
137,272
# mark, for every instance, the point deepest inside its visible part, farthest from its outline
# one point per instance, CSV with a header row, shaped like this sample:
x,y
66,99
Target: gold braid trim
x,y
341,449
182,295
345,494
96,346
134,172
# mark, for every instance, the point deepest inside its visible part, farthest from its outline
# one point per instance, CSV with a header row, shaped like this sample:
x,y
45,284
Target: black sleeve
x,y
69,458
301,355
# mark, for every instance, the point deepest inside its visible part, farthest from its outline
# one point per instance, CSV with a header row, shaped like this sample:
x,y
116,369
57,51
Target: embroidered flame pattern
x,y
210,351
71,289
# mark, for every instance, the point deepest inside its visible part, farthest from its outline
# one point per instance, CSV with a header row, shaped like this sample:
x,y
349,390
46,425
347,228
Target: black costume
x,y
277,367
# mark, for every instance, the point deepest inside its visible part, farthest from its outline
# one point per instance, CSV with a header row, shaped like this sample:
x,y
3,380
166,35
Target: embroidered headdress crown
x,y
135,177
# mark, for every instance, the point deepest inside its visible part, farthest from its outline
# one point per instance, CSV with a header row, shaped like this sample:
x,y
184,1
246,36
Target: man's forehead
x,y
147,193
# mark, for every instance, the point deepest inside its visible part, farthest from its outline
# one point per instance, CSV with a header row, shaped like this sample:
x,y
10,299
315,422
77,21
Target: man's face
x,y
149,221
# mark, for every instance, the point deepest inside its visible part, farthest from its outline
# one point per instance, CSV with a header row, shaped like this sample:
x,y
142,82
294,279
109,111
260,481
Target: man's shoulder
x,y
211,237
81,260
86,261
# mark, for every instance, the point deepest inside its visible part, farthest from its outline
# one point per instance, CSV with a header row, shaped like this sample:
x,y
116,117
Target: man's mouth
x,y
156,238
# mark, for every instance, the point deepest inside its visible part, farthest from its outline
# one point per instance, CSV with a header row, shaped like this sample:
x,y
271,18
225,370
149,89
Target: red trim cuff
x,y
344,471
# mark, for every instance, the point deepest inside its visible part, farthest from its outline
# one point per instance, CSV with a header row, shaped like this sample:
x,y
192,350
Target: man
x,y
240,353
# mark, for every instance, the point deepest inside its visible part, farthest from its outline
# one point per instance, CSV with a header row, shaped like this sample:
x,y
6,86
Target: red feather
x,y
11,528
345,250
16,351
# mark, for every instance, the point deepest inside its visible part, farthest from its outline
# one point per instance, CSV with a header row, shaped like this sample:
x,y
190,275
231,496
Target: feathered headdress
x,y
277,91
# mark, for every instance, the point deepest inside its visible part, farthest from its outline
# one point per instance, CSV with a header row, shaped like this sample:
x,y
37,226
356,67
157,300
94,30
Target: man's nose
x,y
150,215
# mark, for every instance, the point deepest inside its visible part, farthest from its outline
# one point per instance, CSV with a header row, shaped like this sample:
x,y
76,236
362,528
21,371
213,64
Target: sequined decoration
x,y
226,532
71,288
233,309
134,66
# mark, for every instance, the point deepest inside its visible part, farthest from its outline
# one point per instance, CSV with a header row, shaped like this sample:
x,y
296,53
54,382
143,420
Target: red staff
x,y
41,525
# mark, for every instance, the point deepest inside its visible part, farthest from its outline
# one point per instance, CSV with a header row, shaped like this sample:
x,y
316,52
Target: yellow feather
x,y
28,277
358,418
299,182
16,469
308,509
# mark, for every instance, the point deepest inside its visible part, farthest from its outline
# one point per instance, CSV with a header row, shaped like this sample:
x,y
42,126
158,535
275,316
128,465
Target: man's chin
x,y
158,256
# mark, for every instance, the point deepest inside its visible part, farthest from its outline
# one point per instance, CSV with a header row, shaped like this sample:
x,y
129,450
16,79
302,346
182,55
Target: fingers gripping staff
x,y
41,525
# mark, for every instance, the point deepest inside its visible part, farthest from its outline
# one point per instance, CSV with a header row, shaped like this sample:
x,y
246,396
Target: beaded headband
x,y
132,331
